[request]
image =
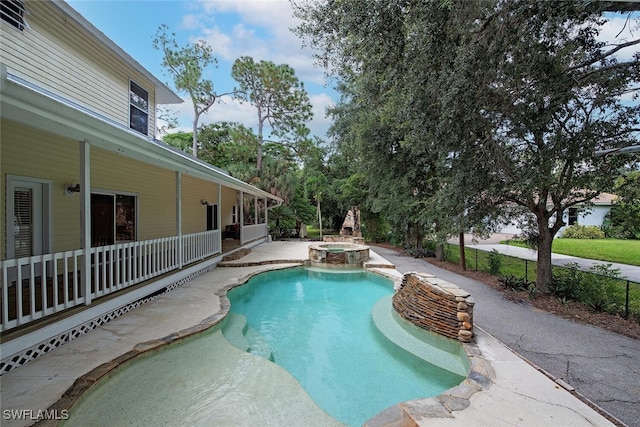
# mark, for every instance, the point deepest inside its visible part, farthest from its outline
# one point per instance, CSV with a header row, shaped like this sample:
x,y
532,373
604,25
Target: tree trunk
x,y
439,246
319,218
419,237
260,141
440,252
259,158
463,258
194,141
543,270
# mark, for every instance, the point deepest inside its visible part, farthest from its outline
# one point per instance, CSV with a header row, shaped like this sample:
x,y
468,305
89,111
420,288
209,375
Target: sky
x,y
232,28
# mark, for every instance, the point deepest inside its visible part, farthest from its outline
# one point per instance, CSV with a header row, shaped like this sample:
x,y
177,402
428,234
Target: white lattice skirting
x,y
35,351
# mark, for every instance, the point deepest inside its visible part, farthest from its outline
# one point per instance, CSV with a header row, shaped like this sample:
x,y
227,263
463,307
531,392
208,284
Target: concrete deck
x,y
519,394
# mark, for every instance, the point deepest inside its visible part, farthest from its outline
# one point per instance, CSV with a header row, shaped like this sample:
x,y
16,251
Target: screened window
x,y
138,108
13,12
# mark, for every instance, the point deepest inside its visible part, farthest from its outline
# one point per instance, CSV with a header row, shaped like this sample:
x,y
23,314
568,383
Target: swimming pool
x,y
318,326
204,380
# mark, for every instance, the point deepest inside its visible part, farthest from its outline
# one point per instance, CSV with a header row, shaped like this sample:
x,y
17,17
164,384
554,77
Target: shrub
x,y
567,282
533,290
420,253
599,288
583,232
514,283
495,262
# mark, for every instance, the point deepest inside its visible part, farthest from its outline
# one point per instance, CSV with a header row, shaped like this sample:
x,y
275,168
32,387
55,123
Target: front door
x,y
27,220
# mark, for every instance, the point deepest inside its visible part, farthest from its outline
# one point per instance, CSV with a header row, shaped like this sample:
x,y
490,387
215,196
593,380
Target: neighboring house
x,y
594,214
97,215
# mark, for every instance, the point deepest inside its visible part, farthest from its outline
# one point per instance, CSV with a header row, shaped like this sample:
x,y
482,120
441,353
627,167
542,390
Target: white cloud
x,y
232,110
190,22
264,34
320,123
276,14
221,43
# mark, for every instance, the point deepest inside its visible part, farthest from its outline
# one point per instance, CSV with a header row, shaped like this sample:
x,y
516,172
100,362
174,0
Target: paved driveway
x,y
600,365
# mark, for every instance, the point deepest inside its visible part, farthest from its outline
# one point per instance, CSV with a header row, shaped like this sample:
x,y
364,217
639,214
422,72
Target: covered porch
x,y
98,219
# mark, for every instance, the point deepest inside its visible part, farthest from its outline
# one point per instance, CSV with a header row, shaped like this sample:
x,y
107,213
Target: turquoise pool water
x,y
332,366
318,326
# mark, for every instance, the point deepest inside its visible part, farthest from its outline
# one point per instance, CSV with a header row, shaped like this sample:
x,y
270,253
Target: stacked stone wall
x,y
435,305
343,239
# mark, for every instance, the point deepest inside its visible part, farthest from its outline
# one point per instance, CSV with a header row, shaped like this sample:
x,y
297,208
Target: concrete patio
x,y
519,394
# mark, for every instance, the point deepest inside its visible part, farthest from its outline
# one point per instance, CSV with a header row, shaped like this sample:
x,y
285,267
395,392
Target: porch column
x,y
241,216
255,209
266,217
179,216
219,216
85,219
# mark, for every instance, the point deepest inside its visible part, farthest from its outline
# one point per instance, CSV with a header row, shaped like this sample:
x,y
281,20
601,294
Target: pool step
x,y
445,353
234,329
258,345
245,338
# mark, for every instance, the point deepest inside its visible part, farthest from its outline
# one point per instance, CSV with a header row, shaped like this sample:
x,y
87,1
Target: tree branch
x,y
603,56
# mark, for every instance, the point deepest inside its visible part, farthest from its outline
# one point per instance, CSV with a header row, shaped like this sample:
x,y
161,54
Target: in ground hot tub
x,y
338,255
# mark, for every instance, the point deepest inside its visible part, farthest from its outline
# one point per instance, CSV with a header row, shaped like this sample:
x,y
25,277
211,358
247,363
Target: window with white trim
x,y
138,108
13,12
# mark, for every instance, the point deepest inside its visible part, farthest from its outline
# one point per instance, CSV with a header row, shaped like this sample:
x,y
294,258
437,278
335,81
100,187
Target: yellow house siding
x,y
32,153
58,55
194,213
153,186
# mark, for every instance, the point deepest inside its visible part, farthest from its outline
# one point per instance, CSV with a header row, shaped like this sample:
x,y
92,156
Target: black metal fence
x,y
601,287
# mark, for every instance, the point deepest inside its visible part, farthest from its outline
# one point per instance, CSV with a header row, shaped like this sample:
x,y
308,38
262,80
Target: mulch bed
x,y
572,310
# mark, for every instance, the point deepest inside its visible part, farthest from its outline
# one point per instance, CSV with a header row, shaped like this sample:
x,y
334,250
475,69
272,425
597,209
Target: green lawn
x,y
313,232
607,250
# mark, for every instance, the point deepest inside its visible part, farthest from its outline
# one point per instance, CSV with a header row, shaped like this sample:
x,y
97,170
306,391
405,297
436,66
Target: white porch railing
x,y
201,245
253,232
38,286
37,297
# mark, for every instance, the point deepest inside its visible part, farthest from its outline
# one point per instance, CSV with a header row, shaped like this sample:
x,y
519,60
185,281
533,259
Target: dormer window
x,y
138,108
13,12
